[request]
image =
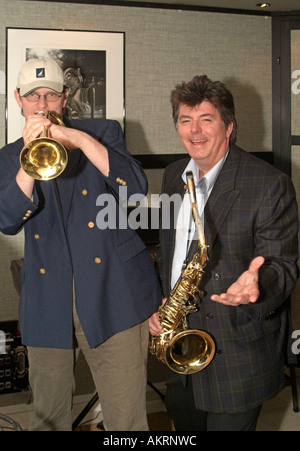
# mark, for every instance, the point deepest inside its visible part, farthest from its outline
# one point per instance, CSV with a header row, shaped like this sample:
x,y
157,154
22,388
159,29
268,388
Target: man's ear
x,y
18,98
229,130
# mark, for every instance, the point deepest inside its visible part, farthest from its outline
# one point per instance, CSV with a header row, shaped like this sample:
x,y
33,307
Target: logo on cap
x,y
40,72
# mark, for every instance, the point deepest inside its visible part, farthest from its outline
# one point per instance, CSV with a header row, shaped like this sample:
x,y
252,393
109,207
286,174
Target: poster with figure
x,y
93,65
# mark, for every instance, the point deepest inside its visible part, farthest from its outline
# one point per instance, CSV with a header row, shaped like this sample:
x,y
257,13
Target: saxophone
x,y
183,350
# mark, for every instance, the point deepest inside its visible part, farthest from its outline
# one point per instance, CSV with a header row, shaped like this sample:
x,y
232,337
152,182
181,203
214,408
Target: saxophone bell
x,y
190,351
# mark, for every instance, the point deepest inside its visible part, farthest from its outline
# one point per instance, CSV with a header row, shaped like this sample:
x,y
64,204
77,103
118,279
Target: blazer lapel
x,y
15,155
66,182
221,199
219,203
60,199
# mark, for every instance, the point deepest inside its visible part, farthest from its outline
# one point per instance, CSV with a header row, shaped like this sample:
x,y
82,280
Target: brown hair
x,y
201,88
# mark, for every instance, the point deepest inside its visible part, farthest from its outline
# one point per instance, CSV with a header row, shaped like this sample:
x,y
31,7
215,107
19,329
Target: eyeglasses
x,y
49,97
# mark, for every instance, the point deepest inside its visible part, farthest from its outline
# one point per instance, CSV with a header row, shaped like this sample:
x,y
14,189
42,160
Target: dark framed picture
x,y
93,65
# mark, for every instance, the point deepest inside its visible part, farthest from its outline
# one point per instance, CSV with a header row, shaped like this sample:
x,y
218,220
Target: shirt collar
x,y
210,177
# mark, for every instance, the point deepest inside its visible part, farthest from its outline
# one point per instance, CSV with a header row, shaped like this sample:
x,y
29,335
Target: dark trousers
x,y
181,408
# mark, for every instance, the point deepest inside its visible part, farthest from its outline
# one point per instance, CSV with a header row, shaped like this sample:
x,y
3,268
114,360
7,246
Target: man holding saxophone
x,y
82,287
250,217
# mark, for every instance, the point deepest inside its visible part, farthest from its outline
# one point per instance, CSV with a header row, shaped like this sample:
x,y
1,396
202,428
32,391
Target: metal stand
x,y
292,381
12,423
93,401
85,411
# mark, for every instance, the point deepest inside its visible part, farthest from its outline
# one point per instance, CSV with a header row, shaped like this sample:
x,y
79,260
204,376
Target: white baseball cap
x,y
40,73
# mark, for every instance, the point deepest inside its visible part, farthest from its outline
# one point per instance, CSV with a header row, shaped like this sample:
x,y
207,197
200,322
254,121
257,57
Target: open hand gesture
x,y
245,290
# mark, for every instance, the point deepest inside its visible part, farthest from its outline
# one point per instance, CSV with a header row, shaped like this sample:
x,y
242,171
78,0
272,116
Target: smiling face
x,y
203,134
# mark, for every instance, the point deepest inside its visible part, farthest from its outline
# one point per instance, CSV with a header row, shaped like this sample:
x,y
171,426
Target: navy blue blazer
x,y
115,283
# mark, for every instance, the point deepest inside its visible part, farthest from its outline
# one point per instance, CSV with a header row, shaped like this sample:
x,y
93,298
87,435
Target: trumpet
x,y
44,158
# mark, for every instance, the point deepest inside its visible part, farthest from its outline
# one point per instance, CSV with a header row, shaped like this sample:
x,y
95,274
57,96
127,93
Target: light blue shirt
x,y
185,226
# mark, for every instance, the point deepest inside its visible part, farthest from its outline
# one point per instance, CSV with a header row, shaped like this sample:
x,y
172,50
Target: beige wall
x,y
163,47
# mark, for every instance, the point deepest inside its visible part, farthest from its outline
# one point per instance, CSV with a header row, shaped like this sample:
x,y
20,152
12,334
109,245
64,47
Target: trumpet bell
x,y
190,351
44,158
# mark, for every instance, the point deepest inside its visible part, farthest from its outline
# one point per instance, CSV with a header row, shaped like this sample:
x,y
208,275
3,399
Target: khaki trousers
x,y
118,367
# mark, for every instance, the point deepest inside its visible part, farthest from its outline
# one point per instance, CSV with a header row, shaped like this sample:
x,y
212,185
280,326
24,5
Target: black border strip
x,y
173,6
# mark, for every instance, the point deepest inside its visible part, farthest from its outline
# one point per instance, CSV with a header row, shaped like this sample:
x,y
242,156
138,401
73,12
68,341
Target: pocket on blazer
x,y
254,329
130,248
